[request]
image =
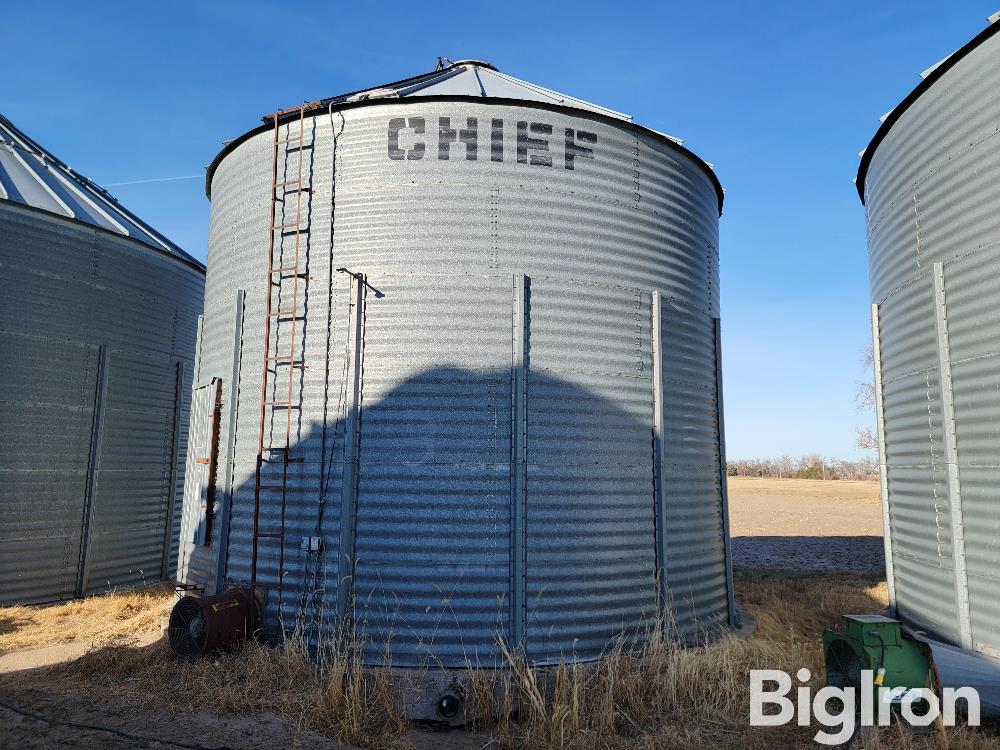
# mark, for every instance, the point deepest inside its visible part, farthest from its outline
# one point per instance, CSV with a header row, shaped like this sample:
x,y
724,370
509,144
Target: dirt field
x,y
806,525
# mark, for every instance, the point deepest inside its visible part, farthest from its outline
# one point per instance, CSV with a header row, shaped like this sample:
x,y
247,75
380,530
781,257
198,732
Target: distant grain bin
x,y
929,181
460,374
97,335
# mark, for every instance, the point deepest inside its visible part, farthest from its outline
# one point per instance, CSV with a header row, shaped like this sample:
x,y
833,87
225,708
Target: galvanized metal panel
x,y
919,583
912,413
694,515
981,514
439,242
47,441
907,329
134,473
590,558
80,288
590,536
931,193
973,327
432,522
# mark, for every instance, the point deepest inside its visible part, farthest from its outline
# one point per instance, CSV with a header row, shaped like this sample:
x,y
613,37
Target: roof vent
x,y
473,63
383,93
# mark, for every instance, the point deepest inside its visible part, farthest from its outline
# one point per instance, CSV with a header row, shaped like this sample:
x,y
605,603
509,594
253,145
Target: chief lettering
x,y
534,144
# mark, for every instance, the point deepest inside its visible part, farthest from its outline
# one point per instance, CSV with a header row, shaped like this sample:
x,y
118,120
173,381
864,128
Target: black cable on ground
x,y
109,730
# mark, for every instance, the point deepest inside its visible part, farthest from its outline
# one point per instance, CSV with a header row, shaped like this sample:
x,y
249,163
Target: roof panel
x,y
34,177
472,78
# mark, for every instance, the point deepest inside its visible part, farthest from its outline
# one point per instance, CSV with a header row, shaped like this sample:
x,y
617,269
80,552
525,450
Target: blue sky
x,y
779,96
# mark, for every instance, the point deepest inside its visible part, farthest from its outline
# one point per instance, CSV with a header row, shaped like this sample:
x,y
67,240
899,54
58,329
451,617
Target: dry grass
x,y
662,697
332,696
94,619
805,489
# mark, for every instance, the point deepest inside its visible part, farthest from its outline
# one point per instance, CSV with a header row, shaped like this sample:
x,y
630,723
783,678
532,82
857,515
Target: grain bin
x,y
460,375
929,184
97,333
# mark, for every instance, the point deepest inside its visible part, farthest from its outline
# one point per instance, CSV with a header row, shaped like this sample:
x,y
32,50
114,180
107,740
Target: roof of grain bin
x,y
928,77
32,176
471,80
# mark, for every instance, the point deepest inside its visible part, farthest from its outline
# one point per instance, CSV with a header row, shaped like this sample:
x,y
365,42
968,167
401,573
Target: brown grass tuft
x,y
100,618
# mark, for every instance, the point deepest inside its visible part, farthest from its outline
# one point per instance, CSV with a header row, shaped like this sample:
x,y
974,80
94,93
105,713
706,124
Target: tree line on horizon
x,y
814,466
811,466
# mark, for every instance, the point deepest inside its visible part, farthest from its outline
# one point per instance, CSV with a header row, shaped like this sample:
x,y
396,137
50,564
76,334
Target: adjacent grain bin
x,y
97,335
930,182
460,374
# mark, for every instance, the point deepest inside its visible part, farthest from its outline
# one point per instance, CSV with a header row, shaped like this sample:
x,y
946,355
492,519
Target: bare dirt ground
x,y
154,727
806,525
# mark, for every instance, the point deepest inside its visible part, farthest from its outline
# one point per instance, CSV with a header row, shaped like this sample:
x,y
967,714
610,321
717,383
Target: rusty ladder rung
x,y
276,448
293,365
289,460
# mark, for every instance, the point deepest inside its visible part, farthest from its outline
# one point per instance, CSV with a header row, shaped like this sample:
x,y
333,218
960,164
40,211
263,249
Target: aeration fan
x,y
200,625
876,643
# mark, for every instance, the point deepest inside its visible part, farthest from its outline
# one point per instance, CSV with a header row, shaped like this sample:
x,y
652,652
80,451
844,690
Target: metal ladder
x,y
285,287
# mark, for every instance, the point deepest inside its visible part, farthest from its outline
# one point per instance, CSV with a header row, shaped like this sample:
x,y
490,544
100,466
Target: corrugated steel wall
x,y
97,333
496,468
934,238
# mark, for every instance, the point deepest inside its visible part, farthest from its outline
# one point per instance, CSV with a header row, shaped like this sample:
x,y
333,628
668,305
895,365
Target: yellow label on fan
x,y
219,606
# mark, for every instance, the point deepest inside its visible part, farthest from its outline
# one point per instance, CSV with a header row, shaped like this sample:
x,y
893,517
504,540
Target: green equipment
x,y
877,643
